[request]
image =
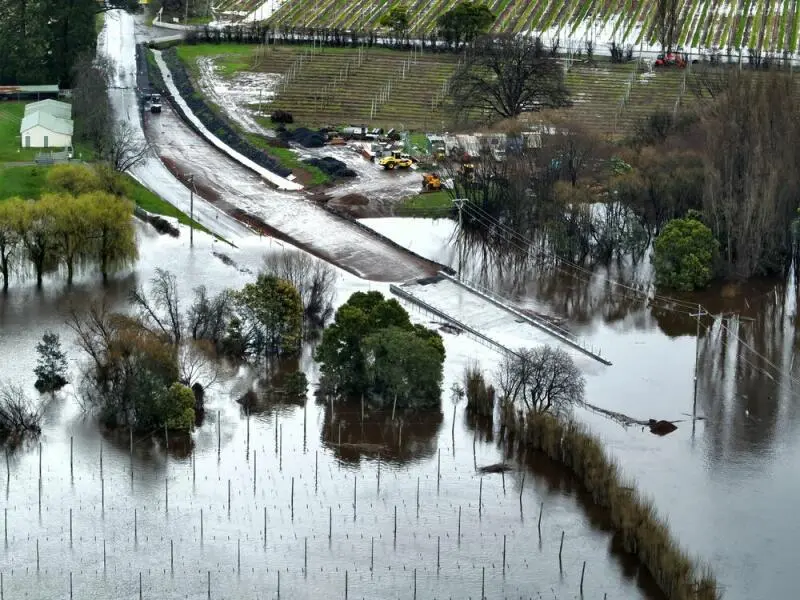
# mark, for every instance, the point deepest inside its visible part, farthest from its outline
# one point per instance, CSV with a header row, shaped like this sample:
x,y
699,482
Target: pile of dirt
x,y
353,200
331,166
305,137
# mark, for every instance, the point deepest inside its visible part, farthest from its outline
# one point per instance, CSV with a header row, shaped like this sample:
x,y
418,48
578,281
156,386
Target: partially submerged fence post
x,y
560,548
504,554
583,571
541,511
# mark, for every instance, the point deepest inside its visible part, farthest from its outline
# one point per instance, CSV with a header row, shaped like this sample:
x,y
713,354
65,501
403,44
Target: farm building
x,y
61,110
41,129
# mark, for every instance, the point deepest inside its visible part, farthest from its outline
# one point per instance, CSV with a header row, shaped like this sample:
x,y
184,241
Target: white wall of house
x,y
41,137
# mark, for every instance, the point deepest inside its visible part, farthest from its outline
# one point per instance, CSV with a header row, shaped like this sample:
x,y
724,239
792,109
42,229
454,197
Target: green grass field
x,y
22,182
430,204
11,114
290,160
153,203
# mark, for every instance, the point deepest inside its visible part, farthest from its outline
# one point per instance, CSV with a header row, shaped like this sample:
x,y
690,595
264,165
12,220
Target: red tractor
x,y
671,59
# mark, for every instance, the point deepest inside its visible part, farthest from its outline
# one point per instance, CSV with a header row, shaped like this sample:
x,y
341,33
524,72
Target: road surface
x,y
117,42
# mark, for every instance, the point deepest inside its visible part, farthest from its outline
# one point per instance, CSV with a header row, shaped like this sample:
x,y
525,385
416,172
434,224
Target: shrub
x,y
480,396
683,255
281,116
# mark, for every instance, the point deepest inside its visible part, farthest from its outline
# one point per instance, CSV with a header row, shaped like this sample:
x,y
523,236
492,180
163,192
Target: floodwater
x,y
728,485
329,481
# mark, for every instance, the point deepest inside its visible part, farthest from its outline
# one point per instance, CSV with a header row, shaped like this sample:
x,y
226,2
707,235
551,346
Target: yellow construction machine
x,y
396,160
431,182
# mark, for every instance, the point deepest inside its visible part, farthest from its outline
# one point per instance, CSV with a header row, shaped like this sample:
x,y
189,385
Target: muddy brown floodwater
x,y
728,486
180,522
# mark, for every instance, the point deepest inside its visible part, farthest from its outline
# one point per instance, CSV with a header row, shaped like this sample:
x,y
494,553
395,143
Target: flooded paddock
x,y
353,509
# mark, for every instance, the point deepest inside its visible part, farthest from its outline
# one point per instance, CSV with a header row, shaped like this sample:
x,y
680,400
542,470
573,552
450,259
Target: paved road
x,y
117,42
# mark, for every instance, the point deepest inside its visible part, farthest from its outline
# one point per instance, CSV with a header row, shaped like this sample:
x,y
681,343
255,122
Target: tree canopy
x,y
397,20
683,255
508,75
40,40
464,22
273,311
372,348
59,229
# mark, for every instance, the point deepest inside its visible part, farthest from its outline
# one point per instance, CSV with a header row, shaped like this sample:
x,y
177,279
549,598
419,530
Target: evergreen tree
x,y
51,368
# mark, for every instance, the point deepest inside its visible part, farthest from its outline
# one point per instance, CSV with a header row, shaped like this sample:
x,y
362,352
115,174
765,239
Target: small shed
x,y
60,110
42,130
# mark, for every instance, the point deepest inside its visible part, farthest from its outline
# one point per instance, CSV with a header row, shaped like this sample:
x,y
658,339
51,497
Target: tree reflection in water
x,y
412,437
746,384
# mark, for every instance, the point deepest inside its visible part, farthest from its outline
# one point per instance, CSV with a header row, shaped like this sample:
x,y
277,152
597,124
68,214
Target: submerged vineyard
x,y
766,25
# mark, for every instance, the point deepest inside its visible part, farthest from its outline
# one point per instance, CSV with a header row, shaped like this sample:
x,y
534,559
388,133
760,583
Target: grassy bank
x,y
430,204
11,114
639,529
31,182
153,203
22,182
337,86
308,175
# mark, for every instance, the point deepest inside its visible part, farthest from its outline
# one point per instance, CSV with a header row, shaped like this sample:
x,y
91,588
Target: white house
x,y
62,110
40,129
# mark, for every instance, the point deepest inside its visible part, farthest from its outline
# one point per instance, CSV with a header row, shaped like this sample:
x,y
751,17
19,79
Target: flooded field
x,y
106,522
726,485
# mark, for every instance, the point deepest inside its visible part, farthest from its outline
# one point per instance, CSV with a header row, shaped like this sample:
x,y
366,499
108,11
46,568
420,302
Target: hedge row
x,y
215,124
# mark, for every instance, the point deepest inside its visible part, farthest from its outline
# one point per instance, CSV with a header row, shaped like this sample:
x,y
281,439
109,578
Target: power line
x,y
485,218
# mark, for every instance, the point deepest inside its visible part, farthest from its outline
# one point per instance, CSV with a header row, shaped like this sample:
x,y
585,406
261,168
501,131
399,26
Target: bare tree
x,y
198,365
160,309
752,182
313,278
126,149
208,317
90,103
19,416
544,379
504,76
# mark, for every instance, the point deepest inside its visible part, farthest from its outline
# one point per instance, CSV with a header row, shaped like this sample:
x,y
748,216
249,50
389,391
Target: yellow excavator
x,y
431,182
396,160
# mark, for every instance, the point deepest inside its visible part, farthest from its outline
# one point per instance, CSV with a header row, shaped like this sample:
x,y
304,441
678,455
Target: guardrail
x,y
539,324
455,322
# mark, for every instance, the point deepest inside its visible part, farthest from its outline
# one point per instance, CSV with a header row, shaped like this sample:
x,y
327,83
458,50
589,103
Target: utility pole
x,y
186,12
700,313
191,215
459,202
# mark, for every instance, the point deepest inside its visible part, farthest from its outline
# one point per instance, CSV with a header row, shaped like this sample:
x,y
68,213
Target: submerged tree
x,y
372,348
542,380
19,416
51,367
314,279
752,180
272,312
684,254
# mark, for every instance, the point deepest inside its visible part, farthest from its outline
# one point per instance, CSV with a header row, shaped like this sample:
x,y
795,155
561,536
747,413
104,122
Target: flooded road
x,y
176,517
727,486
